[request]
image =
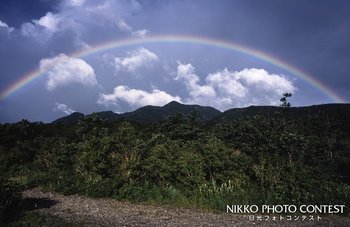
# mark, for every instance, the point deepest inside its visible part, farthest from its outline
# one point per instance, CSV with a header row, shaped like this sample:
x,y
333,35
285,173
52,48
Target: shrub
x,y
10,199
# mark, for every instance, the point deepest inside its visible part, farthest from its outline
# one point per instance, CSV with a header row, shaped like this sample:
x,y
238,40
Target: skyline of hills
x,y
150,114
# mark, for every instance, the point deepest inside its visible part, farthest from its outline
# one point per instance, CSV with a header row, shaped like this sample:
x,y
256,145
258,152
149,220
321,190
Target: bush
x,y
216,196
10,200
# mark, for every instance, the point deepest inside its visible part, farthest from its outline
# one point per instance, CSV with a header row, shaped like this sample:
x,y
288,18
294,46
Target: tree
x,y
284,101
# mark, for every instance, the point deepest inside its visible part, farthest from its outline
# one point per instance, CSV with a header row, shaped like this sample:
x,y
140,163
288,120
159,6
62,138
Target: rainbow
x,y
188,40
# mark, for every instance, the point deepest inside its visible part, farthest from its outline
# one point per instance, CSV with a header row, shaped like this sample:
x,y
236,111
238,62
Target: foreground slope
x,y
108,212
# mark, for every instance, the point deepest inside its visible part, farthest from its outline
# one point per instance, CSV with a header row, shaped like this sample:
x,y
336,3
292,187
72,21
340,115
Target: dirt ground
x,y
109,212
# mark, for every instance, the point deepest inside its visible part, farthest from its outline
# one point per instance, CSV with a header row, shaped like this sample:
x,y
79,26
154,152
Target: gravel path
x,y
109,212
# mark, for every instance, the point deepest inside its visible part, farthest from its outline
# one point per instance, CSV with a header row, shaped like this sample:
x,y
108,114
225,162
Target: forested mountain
x,y
153,113
305,112
148,114
71,119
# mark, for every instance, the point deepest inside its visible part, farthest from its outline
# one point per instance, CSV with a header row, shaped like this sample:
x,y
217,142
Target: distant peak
x,y
173,103
77,114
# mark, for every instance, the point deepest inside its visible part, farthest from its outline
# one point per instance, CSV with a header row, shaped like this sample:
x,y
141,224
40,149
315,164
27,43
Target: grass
x,y
32,218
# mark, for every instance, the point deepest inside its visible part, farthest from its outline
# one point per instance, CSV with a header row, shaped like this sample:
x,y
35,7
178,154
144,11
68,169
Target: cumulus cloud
x,y
227,82
50,22
136,98
258,79
42,29
226,89
83,19
198,93
135,60
62,108
114,14
62,70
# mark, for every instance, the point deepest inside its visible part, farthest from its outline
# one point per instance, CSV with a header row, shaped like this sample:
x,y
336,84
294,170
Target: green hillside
x,y
148,114
200,158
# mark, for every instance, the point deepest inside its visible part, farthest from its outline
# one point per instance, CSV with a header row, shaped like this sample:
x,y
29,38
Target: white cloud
x,y
225,89
261,79
62,70
136,98
50,22
82,20
250,86
135,59
198,93
228,83
4,25
44,28
115,13
141,33
75,2
28,29
63,108
186,72
123,26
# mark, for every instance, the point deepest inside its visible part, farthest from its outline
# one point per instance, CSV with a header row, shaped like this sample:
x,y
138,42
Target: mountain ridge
x,y
150,114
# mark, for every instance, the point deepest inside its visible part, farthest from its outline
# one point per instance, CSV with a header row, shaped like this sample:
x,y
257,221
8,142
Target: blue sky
x,y
313,36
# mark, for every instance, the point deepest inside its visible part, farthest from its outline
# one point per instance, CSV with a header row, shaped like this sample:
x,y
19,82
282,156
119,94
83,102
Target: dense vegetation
x,y
272,159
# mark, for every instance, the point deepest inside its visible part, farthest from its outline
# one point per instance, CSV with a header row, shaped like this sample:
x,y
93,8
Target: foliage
x,y
273,159
30,218
10,200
